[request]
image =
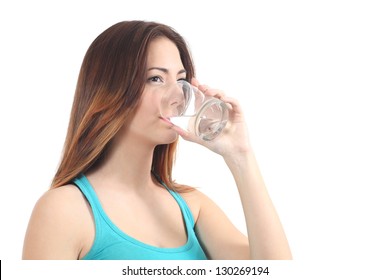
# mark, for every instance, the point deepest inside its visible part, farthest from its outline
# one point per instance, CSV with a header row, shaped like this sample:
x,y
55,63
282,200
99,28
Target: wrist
x,y
240,157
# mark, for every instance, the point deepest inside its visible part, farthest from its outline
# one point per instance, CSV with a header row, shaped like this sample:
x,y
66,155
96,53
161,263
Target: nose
x,y
177,100
172,101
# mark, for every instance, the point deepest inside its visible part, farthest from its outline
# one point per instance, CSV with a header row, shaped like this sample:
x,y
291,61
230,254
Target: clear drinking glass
x,y
187,107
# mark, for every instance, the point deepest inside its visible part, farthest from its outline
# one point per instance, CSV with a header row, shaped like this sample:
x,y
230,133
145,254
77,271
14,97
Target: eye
x,y
155,79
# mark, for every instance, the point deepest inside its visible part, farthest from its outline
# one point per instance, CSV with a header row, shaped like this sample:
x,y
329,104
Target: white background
x,y
312,77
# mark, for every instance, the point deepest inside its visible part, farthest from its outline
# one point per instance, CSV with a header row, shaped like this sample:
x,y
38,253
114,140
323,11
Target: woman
x,y
113,196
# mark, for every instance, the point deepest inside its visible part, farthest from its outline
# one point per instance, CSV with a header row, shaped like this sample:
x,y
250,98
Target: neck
x,y
127,164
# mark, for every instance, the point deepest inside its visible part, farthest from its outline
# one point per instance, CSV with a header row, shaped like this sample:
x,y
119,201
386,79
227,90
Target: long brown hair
x,y
109,87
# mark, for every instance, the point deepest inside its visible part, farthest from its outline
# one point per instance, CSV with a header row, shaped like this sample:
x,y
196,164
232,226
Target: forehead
x,y
163,51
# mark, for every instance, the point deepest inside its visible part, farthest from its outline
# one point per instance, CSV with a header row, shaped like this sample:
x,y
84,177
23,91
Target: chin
x,y
172,139
167,138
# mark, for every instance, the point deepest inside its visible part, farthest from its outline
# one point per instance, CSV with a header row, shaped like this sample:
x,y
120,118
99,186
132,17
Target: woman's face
x,y
163,69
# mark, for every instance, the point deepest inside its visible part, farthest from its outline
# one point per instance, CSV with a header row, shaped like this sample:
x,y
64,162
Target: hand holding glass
x,y
187,107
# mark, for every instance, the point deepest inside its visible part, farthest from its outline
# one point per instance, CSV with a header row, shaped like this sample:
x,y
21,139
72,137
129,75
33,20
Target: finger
x,y
195,82
218,94
232,102
203,88
211,92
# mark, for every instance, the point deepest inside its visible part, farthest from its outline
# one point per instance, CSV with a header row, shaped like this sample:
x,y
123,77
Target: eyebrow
x,y
165,70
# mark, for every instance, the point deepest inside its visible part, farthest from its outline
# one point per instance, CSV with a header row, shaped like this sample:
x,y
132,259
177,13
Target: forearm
x,y
267,239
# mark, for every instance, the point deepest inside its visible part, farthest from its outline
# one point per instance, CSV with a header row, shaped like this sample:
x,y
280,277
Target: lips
x,y
168,120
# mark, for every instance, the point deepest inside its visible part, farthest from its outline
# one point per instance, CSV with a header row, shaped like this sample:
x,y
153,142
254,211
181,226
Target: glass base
x,y
211,119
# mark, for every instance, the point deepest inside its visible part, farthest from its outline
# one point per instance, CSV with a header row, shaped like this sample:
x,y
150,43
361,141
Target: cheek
x,y
150,102
148,111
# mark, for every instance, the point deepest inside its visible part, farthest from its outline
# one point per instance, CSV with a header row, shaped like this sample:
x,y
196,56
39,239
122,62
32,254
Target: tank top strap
x,y
185,209
183,206
85,187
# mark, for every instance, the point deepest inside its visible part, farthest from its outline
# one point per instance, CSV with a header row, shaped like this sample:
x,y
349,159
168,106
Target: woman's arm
x,y
221,239
266,237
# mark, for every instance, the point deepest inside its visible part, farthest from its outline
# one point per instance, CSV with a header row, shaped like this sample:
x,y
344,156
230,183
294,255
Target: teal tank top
x,y
111,243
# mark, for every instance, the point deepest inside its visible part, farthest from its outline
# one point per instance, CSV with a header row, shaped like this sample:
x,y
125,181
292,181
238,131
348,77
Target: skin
x,y
126,186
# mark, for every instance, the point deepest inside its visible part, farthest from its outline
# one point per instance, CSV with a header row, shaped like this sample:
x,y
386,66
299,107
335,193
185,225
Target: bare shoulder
x,y
196,200
195,196
60,203
56,223
68,196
